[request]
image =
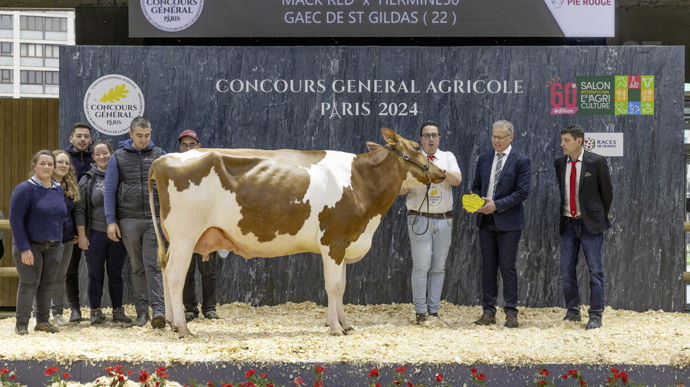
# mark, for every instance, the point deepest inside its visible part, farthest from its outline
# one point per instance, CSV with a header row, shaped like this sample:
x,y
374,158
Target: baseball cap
x,y
188,133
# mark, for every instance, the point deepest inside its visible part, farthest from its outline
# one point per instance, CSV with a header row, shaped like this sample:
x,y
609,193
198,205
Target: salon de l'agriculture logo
x,y
608,94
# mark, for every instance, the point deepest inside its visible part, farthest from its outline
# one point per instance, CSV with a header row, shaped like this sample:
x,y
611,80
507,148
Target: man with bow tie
x,y
430,226
502,178
586,196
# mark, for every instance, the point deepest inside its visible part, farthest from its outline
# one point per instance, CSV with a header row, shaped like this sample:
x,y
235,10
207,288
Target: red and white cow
x,y
261,203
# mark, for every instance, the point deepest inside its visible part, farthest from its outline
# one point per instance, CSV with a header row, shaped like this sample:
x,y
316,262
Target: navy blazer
x,y
511,191
596,191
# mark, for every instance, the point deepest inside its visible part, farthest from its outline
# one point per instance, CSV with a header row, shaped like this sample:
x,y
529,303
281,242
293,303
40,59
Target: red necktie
x,y
573,187
431,157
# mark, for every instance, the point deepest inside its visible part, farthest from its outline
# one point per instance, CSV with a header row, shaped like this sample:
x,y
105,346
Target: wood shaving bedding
x,y
296,333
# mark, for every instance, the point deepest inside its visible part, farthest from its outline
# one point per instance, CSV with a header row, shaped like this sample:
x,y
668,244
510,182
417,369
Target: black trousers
x,y
499,252
72,279
208,285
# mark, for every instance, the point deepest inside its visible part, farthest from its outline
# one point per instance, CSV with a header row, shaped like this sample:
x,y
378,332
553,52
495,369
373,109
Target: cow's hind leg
x,y
166,297
176,273
335,288
342,318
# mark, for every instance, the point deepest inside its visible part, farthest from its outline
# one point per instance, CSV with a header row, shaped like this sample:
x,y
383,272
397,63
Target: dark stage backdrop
x,y
338,98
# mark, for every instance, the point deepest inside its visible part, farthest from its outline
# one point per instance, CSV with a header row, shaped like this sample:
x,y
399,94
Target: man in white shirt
x,y
430,226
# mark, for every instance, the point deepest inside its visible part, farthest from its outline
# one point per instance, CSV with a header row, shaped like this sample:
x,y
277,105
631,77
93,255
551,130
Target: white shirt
x,y
490,191
441,194
578,168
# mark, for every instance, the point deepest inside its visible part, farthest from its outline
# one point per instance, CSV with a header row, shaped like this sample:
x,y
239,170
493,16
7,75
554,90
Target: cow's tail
x,y
162,253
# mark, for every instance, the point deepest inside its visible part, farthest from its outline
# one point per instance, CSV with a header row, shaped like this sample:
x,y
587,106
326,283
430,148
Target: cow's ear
x,y
390,136
373,146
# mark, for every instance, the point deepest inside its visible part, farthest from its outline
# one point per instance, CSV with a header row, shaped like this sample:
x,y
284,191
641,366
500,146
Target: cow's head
x,y
419,169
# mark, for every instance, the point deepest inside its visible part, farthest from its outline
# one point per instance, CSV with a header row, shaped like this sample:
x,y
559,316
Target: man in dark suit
x,y
502,178
586,195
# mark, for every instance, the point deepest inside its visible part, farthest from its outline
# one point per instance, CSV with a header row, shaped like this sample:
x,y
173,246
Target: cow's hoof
x,y
336,332
186,333
348,329
173,327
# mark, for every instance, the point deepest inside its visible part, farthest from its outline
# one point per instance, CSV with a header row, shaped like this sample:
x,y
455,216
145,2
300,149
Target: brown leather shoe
x,y
511,321
46,327
486,319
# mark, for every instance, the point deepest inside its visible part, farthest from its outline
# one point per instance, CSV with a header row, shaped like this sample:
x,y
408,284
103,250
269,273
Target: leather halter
x,y
424,168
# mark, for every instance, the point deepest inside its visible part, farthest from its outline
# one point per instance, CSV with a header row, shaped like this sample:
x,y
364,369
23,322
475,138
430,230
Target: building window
x,y
6,22
40,23
56,24
52,78
52,51
31,50
31,23
5,48
6,76
29,77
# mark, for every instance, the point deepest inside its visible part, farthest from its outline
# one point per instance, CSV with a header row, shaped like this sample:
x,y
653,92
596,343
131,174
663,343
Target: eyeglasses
x,y
500,138
431,135
185,145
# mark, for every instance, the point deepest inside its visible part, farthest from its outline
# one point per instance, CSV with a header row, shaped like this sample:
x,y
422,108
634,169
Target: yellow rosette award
x,y
473,202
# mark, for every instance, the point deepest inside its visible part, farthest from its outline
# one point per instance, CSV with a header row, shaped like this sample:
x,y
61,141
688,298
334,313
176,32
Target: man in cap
x,y
190,140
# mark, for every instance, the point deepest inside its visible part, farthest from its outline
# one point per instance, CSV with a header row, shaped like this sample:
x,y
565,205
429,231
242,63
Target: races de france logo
x,y
172,15
590,143
111,102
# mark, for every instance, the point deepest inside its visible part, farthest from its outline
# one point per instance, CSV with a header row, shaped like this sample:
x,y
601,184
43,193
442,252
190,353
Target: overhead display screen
x,y
372,18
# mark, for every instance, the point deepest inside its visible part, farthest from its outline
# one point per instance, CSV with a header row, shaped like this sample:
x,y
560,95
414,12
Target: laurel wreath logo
x,y
115,94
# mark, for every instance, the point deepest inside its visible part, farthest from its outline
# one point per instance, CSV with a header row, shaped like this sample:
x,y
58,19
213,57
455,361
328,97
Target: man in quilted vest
x,y
128,214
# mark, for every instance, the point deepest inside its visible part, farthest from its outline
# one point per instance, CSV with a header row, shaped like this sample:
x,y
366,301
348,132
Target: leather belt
x,y
445,215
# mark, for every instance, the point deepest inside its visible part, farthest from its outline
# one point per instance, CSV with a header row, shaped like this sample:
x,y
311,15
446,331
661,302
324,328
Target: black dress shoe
x,y
420,318
511,321
189,316
486,319
572,317
593,323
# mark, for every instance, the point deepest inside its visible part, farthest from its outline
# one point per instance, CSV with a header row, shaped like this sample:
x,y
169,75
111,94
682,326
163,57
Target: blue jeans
x,y
36,281
573,236
429,253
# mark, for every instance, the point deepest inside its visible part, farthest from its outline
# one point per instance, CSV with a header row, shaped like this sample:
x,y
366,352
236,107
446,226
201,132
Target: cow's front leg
x,y
335,288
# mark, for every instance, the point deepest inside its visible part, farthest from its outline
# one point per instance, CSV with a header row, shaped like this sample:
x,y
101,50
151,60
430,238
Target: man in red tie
x,y
586,196
430,226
